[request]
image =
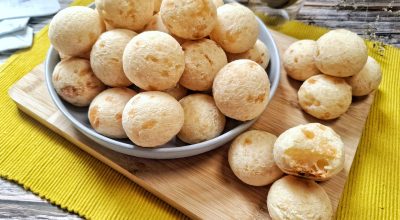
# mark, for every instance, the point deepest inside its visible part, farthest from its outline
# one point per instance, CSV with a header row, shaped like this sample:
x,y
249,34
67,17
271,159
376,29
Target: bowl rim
x,y
163,152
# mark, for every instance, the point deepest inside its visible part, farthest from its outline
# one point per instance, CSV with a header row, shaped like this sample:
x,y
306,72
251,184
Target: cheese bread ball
x,y
251,160
152,119
74,30
189,19
296,198
75,82
367,80
105,111
313,151
156,24
106,57
258,53
203,59
341,53
63,56
236,29
203,120
85,55
177,92
153,60
298,60
218,3
109,27
126,14
241,90
325,97
157,5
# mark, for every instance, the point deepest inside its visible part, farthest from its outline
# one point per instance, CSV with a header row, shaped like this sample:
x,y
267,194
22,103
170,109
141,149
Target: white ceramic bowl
x,y
175,148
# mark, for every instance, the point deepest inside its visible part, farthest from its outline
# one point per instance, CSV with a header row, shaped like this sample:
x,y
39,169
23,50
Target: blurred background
x,y
373,19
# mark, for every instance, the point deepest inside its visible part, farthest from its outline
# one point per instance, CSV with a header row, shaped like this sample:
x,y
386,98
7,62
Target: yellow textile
x,y
55,169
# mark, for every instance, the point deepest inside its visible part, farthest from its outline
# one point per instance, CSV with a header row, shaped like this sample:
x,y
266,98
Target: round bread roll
x,y
105,111
109,27
85,55
313,151
298,60
341,53
367,80
152,119
126,14
177,92
203,59
251,160
106,57
153,60
75,82
189,19
241,90
63,56
156,24
296,198
325,97
258,53
157,5
236,29
203,120
74,30
218,3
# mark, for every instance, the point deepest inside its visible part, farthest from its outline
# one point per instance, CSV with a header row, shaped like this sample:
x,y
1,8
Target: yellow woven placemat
x,y
50,166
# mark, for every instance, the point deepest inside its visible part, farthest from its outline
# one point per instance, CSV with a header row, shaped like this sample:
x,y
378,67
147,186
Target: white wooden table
x,y
381,17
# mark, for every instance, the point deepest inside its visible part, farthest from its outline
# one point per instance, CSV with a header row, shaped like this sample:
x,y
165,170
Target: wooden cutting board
x,y
202,186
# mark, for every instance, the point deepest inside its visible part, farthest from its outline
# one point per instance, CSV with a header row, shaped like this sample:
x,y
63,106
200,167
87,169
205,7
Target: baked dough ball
x,y
258,53
85,55
105,111
109,27
106,57
241,90
203,59
251,159
367,80
203,120
189,19
218,3
75,82
152,119
341,53
313,151
298,60
74,30
126,14
296,198
236,29
325,97
156,24
157,5
153,60
177,92
63,56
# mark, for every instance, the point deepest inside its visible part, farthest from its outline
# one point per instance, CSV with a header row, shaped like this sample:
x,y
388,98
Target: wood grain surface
x,y
16,203
379,16
202,186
